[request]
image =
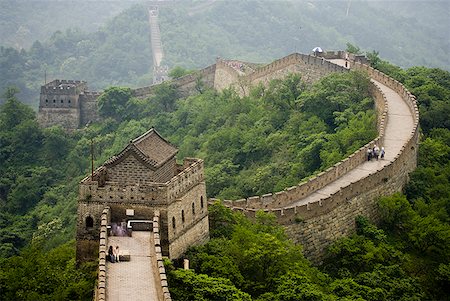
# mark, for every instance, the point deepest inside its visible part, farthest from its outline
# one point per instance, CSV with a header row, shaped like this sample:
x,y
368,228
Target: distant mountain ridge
x,y
195,33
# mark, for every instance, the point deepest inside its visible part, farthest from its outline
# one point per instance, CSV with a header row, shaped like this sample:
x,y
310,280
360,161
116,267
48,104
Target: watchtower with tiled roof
x,y
143,178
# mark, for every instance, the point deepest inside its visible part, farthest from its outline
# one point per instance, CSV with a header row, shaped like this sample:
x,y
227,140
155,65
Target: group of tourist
x,y
113,254
119,229
236,65
375,152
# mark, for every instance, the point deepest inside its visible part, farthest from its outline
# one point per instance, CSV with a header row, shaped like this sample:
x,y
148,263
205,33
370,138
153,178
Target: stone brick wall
x,y
225,76
196,235
190,176
130,171
310,67
68,118
88,237
185,84
308,187
186,210
169,198
59,103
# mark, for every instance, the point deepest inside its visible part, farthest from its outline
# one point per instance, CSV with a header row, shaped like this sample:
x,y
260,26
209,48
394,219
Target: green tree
x,y
13,112
164,98
113,102
352,48
293,287
186,285
178,72
37,275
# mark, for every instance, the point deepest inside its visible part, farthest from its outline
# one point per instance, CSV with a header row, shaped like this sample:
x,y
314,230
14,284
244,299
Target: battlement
x,y
185,84
344,55
98,189
64,87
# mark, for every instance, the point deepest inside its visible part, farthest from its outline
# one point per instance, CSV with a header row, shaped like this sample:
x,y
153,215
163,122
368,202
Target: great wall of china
x,y
315,212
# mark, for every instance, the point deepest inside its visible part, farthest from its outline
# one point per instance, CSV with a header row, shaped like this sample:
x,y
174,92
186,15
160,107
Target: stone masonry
x,y
143,179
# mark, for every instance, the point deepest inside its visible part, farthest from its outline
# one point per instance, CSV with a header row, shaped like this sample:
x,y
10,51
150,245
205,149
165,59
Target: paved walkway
x,y
133,280
155,38
398,130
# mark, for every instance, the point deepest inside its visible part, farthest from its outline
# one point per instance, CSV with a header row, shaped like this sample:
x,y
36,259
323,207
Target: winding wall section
x,y
323,208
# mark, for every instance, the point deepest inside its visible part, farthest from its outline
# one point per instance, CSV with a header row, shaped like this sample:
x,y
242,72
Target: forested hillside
x,y
405,258
117,54
407,33
67,40
24,22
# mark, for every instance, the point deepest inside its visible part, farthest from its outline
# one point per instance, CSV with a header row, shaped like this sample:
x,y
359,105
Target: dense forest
x,y
251,145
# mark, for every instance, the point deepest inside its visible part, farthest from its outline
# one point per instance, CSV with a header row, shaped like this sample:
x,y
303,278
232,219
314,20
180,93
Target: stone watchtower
x,y
140,180
67,103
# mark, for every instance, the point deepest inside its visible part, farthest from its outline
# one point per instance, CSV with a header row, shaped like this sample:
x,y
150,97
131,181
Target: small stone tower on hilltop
x,y
140,180
67,103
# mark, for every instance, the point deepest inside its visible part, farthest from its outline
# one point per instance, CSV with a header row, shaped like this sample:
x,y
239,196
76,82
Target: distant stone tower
x,y
67,103
140,180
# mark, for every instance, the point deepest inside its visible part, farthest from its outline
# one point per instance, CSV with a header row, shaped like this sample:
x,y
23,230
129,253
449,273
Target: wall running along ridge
x,y
316,225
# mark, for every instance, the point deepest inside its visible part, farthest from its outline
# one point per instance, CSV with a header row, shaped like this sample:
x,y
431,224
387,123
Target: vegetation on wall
x,y
267,141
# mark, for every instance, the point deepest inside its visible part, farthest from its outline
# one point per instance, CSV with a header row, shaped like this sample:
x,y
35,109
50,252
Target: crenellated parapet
x,y
312,68
161,273
100,291
186,85
98,189
184,181
311,185
67,103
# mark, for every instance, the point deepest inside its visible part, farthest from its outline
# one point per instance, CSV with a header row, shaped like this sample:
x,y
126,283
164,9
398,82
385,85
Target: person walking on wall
x,y
382,152
369,154
376,152
110,257
116,254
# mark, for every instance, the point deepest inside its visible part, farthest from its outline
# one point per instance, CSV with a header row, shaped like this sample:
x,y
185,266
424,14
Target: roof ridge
x,y
135,150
